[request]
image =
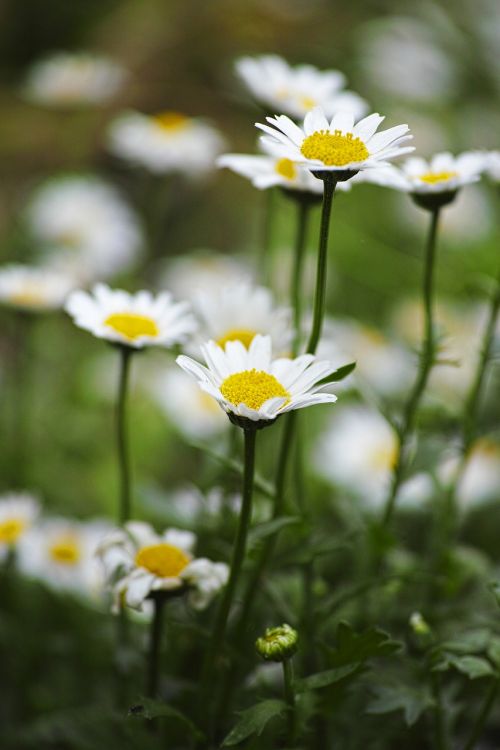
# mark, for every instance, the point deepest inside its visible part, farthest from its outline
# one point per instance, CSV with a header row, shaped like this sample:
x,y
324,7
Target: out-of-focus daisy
x,y
134,320
193,412
33,289
138,563
166,142
85,226
61,553
480,482
296,90
18,511
251,387
338,145
73,79
203,271
491,164
239,313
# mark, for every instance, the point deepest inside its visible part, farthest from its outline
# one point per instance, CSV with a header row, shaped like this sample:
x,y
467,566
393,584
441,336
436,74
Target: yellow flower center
x,y
162,559
384,456
487,448
11,529
432,177
171,121
29,296
253,388
131,325
307,102
245,335
65,551
334,149
286,168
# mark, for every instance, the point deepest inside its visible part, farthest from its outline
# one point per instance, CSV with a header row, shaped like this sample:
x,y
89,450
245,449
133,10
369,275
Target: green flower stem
x,y
482,717
219,631
329,185
121,434
303,212
440,733
426,362
155,633
289,694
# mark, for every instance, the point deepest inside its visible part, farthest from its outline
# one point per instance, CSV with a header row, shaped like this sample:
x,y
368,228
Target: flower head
x,y
33,289
84,226
18,511
491,163
203,271
296,90
139,562
134,320
278,644
166,142
338,145
251,387
73,79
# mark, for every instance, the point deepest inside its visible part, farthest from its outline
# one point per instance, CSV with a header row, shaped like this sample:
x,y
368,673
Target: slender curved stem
x,y
122,437
483,715
426,363
219,630
303,210
289,694
329,185
155,633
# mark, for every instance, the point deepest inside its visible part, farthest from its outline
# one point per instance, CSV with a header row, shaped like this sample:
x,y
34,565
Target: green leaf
x,y
323,679
339,374
358,647
253,720
494,587
470,642
151,709
269,528
471,666
412,700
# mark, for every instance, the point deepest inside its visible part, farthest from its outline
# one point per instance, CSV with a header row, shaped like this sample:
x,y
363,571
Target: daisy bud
x,y
278,644
419,625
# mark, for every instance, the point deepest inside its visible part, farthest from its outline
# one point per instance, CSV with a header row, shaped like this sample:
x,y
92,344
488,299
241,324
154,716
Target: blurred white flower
x,y
203,271
85,226
32,288
166,142
338,146
134,320
61,553
138,562
404,57
491,164
480,482
251,386
296,90
73,79
18,511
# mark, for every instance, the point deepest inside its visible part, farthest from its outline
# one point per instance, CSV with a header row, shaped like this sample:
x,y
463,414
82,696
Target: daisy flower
x,y
60,552
84,226
18,511
480,481
33,289
338,145
296,90
491,164
72,79
251,387
203,271
138,563
240,312
166,142
133,320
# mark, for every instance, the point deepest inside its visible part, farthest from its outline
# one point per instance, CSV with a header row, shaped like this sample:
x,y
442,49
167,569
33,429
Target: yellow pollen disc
x,y
69,238
486,448
286,168
171,121
11,530
432,177
384,457
162,559
27,297
334,149
245,335
253,388
65,551
132,325
307,102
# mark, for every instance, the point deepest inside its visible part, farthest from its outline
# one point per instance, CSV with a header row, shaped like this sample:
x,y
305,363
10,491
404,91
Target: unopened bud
x,y
419,625
277,644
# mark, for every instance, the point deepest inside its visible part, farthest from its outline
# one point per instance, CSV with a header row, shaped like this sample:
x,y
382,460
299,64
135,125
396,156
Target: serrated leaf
x,y
339,374
358,647
267,529
471,666
324,679
494,650
254,720
150,709
412,700
470,642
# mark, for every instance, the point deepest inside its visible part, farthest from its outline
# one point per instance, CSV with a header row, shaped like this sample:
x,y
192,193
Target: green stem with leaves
x,y
482,717
289,695
122,436
427,357
155,633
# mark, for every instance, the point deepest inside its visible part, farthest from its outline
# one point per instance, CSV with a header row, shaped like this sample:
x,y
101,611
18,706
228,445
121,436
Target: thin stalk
x,y
122,436
440,733
220,626
483,715
426,363
289,699
153,672
329,185
303,210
